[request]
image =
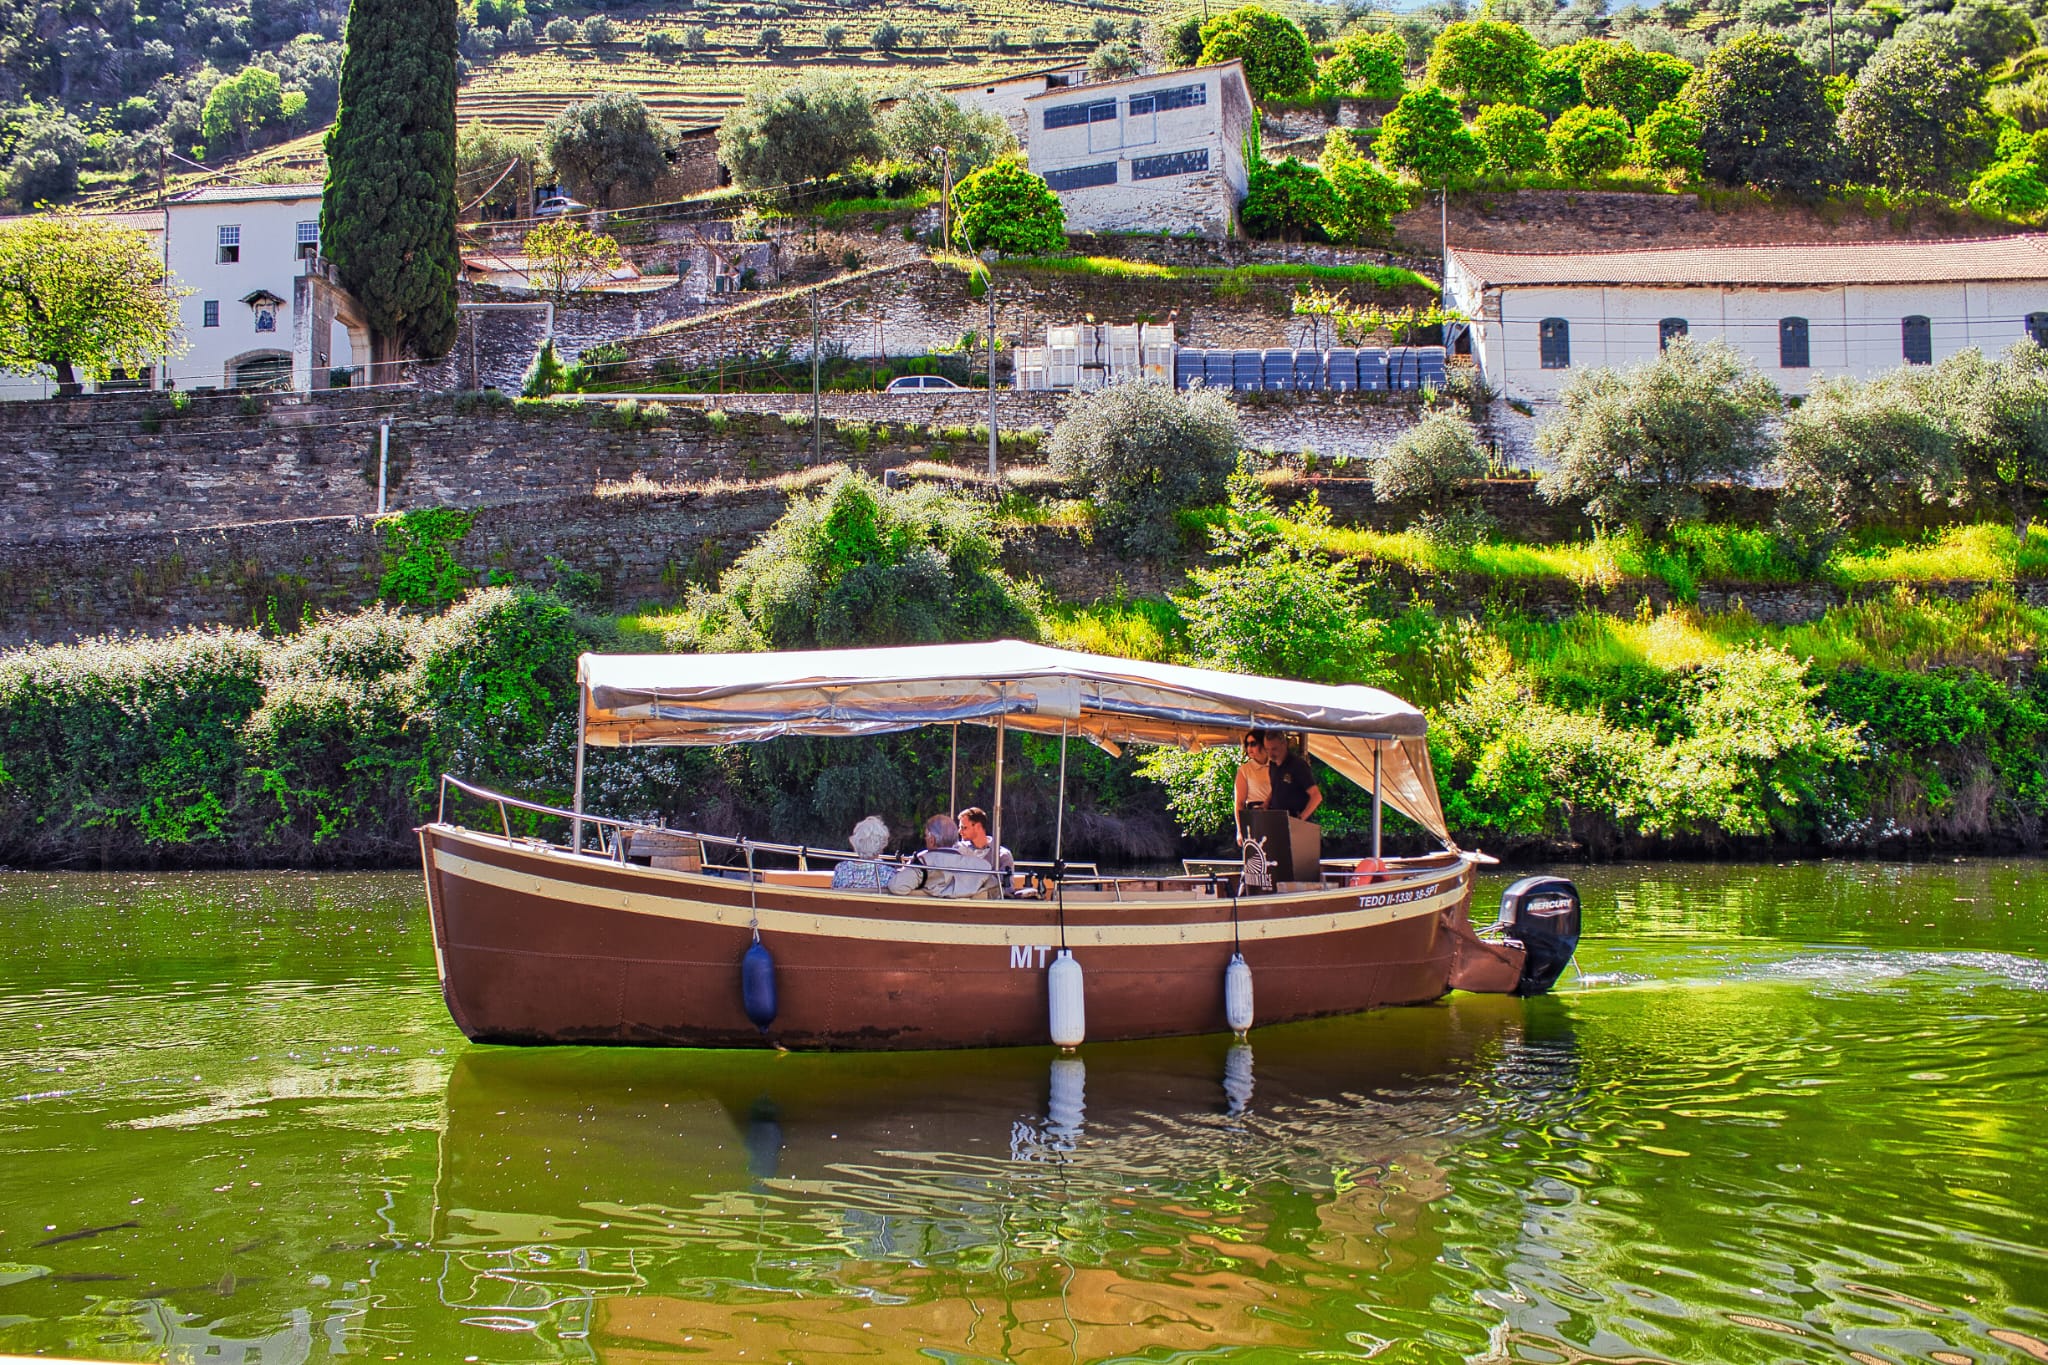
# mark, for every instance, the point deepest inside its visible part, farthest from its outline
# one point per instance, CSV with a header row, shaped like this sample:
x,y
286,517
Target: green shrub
x,y
860,564
420,568
1513,135
1005,208
1277,60
1372,65
1140,452
1586,141
1669,139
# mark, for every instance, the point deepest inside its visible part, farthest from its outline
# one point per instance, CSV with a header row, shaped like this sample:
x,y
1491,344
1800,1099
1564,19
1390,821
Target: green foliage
x,y
1586,142
1854,453
1616,75
241,108
2010,189
387,219
1287,199
1364,198
1114,60
1005,208
1763,117
1181,39
922,118
610,150
1368,64
420,567
565,256
858,564
1426,136
1277,60
547,375
1430,464
77,296
1140,452
1513,136
1486,61
1669,139
1987,31
482,156
1558,84
800,132
1915,119
1635,446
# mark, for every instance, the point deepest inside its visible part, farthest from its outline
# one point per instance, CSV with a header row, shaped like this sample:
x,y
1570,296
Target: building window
x,y
1141,125
1074,115
1180,97
1173,163
209,313
1916,340
2037,328
230,244
308,240
1082,177
1670,330
1554,341
1792,349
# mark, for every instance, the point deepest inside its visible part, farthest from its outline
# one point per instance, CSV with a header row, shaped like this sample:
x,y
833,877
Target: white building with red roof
x,y
1798,312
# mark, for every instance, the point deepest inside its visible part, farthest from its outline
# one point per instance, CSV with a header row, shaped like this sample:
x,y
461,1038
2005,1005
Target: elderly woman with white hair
x,y
865,871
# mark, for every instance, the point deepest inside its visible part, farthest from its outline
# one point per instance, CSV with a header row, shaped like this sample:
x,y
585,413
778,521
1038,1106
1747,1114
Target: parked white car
x,y
557,206
915,383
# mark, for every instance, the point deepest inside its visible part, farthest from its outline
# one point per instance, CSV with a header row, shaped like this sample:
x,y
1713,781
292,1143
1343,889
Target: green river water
x,y
1790,1113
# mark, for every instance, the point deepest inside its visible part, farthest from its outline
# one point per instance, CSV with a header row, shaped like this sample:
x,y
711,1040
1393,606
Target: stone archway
x,y
268,369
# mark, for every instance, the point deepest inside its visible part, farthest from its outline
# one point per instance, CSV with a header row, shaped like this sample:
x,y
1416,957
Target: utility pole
x,y
945,199
994,473
817,406
383,463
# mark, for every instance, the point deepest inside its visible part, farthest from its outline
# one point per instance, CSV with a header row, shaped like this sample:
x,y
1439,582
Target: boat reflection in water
x,y
1163,1196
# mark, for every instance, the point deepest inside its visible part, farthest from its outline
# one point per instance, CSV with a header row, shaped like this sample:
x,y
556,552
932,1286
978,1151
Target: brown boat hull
x,y
536,945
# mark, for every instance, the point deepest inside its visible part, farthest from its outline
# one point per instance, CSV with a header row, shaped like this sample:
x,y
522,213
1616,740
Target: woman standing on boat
x,y
1254,787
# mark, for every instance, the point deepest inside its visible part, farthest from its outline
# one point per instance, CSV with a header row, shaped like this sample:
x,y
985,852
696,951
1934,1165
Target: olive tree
x,y
921,121
1429,467
799,132
1858,451
1635,446
1141,452
610,149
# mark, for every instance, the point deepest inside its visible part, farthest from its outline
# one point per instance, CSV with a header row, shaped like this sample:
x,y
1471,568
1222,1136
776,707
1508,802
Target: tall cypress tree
x,y
388,218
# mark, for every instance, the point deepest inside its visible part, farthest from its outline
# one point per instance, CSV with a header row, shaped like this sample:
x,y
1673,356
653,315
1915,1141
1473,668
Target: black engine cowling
x,y
1542,914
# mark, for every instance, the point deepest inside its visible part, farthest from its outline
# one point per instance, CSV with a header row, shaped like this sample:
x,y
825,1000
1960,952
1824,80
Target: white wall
x,y
1202,200
1854,330
269,261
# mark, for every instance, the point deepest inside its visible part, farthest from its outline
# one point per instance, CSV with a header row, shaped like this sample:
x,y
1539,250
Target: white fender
x,y
1237,994
1069,1015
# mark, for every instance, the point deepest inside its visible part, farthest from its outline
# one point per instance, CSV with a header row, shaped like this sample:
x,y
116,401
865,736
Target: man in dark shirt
x,y
1294,783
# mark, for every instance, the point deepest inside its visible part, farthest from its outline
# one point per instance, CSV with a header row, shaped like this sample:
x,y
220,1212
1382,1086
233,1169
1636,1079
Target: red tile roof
x,y
1819,263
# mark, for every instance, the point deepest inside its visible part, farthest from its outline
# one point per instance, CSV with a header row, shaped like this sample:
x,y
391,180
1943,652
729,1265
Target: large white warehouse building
x,y
1798,312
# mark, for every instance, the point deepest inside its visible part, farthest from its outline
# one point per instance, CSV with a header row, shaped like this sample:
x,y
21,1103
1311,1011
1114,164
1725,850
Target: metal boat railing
x,y
1213,875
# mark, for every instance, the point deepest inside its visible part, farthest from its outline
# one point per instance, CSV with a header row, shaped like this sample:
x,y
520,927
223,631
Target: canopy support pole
x,y
1059,826
953,790
576,825
996,834
1375,798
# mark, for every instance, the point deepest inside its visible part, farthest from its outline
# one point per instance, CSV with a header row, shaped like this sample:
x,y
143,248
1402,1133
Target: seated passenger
x,y
865,870
941,869
974,839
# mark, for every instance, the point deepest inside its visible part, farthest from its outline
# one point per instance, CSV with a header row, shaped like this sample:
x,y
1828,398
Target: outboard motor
x,y
1542,914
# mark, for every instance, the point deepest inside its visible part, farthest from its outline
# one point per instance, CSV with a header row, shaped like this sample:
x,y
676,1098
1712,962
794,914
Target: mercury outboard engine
x,y
1542,914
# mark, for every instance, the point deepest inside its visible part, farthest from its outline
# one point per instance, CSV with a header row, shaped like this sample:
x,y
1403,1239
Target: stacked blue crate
x,y
1278,370
1308,371
1187,368
1216,369
1372,370
1340,369
1430,366
1403,372
1247,371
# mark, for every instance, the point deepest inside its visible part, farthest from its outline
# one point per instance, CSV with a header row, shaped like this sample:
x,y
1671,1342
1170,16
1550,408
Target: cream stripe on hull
x,y
1364,908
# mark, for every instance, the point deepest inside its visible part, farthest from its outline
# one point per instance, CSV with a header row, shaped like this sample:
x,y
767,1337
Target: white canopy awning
x,y
644,699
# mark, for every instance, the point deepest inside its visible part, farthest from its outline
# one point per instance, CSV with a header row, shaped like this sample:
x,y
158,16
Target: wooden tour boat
x,y
629,933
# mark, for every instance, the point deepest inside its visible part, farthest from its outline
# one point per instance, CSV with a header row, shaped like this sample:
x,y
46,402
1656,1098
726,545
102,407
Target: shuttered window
x,y
1554,341
1670,330
1916,340
1793,352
